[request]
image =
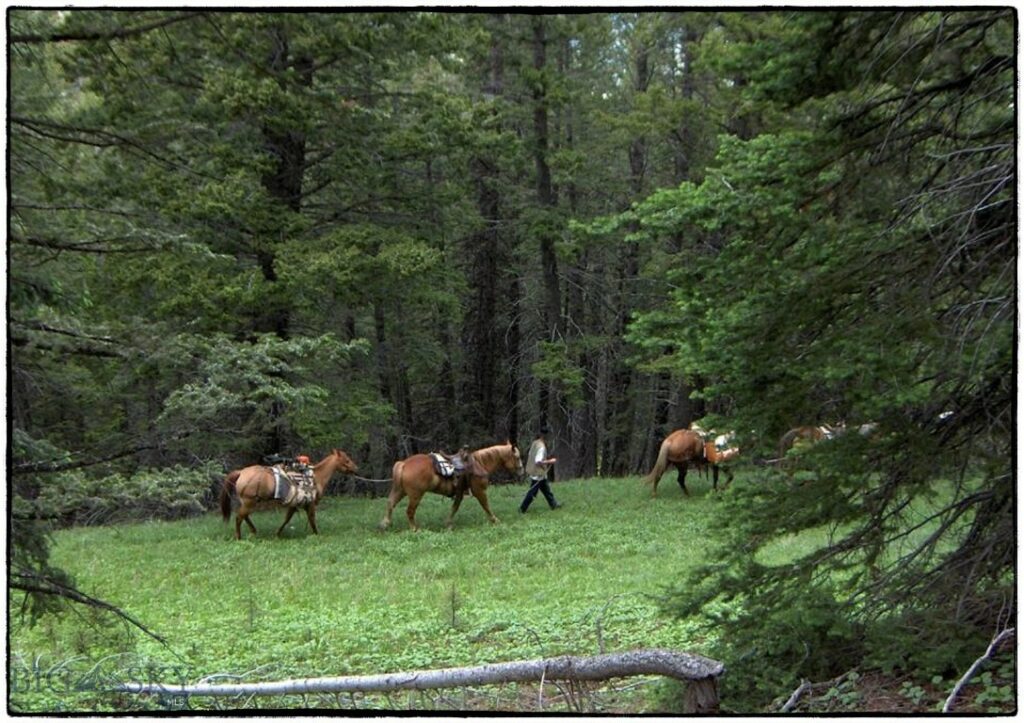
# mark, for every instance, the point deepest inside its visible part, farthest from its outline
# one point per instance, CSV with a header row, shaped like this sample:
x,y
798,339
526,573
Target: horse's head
x,y
343,463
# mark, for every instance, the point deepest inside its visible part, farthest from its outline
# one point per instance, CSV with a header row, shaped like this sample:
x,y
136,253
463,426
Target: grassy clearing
x,y
353,600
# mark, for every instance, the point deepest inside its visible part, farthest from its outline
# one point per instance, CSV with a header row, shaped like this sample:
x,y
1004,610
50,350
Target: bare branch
x,y
61,466
989,652
790,704
36,583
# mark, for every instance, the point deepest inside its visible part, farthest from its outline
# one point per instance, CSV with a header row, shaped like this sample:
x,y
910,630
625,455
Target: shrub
x,y
162,494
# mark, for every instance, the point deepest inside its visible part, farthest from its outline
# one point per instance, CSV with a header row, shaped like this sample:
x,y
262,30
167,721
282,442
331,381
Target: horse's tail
x,y
659,465
396,474
225,493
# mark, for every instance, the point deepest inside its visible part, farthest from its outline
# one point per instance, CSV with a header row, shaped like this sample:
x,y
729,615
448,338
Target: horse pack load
x,y
294,487
694,446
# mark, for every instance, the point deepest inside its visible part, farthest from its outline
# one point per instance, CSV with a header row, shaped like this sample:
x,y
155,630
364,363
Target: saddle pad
x,y
442,466
282,485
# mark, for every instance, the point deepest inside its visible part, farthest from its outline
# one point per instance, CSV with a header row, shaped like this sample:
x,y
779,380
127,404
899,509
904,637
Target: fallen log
x,y
699,673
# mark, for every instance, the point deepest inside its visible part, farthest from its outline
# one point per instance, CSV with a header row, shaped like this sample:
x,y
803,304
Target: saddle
x,y
448,466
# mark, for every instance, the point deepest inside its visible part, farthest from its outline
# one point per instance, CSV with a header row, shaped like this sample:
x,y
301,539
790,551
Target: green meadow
x,y
579,580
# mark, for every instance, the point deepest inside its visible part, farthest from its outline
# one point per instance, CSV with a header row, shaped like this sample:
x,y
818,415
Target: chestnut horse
x,y
415,476
255,489
681,449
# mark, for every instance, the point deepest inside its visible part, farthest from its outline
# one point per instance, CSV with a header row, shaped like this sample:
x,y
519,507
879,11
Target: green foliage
x,y
237,232
844,695
556,366
803,295
238,384
163,494
998,692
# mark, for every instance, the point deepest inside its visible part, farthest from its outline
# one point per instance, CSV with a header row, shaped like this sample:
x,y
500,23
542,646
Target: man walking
x,y
537,464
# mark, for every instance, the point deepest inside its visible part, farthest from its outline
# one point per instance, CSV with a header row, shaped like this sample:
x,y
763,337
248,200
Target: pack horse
x,y
260,487
685,447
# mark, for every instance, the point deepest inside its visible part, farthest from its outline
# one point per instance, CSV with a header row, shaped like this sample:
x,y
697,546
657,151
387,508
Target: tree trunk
x,y
622,409
283,183
552,402
697,671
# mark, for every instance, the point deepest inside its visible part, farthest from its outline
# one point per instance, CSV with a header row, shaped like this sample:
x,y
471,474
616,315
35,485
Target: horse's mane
x,y
322,462
487,454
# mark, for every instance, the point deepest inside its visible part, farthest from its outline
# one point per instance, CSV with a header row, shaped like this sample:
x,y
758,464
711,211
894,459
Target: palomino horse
x,y
255,489
415,476
681,448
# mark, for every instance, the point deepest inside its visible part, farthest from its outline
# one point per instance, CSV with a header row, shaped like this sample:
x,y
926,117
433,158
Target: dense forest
x,y
239,233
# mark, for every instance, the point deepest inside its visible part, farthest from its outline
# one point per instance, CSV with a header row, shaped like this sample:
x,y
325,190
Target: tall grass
x,y
579,580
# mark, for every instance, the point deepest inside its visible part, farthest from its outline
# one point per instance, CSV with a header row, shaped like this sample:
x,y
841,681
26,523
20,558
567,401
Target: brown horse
x,y
806,435
681,448
255,489
415,476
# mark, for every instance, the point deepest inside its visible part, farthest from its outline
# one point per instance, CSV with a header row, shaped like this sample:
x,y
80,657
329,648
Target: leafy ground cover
x,y
353,600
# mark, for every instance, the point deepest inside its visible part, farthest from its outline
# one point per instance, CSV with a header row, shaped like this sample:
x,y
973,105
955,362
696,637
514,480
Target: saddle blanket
x,y
443,466
293,488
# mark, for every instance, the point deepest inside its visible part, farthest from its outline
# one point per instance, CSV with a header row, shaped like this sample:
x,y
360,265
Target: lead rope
x,y
367,479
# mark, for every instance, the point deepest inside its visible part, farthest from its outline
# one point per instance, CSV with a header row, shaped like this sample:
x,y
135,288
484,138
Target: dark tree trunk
x,y
487,257
552,402
623,395
283,183
514,345
391,446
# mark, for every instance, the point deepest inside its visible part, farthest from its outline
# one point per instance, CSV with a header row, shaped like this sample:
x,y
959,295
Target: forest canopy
x,y
239,233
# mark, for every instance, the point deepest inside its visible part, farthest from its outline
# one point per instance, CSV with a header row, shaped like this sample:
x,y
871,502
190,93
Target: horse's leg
x,y
244,510
287,519
714,477
410,510
479,489
311,515
459,493
682,476
396,495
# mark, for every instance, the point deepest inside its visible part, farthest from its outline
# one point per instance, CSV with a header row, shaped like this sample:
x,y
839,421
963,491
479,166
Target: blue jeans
x,y
538,485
